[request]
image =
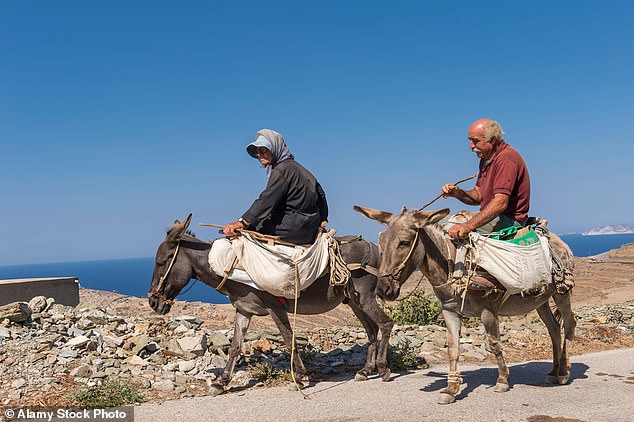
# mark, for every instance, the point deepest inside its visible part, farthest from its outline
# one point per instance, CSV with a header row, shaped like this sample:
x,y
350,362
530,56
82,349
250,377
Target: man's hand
x,y
459,231
230,229
450,190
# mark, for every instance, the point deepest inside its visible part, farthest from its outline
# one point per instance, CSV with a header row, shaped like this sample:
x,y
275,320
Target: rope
x,y
293,331
339,272
164,276
439,196
454,376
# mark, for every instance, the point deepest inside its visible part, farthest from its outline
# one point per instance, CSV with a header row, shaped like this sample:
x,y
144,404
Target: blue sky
x,y
118,117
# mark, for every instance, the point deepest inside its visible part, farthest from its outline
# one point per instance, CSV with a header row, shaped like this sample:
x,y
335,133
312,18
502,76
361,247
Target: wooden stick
x,y
438,197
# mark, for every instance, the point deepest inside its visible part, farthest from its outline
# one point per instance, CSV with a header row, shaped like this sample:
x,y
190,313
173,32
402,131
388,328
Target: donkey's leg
x,y
565,309
554,330
385,324
372,331
452,321
492,327
240,326
280,317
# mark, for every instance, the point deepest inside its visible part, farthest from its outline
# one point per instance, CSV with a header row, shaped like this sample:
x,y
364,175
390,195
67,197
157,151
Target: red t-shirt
x,y
506,173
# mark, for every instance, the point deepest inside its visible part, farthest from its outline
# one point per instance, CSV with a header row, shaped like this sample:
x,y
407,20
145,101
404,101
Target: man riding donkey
x,y
502,191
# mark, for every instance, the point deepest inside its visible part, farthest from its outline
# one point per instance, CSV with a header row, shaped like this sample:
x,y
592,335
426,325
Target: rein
x,y
158,291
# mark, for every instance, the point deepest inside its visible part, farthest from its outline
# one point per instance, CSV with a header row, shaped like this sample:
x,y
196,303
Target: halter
x,y
158,291
396,272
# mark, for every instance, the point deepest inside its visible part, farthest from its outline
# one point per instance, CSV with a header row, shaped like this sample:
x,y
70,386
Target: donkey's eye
x,y
404,244
161,262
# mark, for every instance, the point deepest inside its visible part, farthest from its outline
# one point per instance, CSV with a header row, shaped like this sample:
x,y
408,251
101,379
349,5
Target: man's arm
x,y
498,204
469,197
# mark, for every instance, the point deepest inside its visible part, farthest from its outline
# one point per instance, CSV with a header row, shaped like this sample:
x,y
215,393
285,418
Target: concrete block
x,y
64,290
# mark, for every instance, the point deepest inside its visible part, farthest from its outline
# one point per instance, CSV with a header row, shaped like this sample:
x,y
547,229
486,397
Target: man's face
x,y
482,148
478,143
265,156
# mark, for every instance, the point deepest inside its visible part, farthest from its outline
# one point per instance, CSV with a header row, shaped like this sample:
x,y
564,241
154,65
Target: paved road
x,y
601,389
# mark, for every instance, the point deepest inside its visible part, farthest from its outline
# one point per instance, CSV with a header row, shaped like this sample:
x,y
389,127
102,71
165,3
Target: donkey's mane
x,y
169,230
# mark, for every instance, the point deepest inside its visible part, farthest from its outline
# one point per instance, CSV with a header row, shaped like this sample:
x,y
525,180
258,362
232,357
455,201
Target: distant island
x,y
614,229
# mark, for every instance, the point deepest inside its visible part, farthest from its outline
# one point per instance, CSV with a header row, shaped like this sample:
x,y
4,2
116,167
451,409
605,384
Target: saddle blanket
x,y
272,268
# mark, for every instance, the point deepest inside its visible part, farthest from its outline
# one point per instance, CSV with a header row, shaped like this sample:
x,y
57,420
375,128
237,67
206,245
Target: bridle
x,y
157,292
398,270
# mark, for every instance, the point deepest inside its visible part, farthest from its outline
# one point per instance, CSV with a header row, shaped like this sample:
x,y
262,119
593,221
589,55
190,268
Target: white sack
x,y
270,268
518,268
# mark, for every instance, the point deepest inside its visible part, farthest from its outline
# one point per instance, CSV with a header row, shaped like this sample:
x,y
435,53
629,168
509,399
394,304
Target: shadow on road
x,y
531,373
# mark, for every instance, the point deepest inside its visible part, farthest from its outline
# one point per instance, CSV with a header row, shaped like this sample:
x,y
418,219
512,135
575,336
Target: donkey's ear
x,y
423,218
382,217
178,229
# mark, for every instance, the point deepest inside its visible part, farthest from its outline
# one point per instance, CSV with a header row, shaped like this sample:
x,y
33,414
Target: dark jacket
x,y
292,206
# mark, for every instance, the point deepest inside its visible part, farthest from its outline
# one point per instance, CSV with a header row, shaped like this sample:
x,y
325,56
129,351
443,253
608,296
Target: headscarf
x,y
275,143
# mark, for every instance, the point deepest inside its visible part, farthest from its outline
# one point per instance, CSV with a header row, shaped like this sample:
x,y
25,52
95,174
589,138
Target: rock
x,y
113,340
196,345
5,333
79,341
38,304
137,343
137,360
83,371
15,312
262,345
99,375
218,340
68,353
186,365
19,383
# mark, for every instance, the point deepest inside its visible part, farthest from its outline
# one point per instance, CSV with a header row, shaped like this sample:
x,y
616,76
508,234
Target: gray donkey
x,y
181,257
411,240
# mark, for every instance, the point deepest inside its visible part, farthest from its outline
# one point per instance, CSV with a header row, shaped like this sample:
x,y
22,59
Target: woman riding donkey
x,y
293,206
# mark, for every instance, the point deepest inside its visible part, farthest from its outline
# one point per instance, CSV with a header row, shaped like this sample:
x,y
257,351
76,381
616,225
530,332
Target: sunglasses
x,y
261,150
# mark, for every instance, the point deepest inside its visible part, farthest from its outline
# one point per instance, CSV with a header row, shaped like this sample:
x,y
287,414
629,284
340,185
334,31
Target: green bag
x,y
506,235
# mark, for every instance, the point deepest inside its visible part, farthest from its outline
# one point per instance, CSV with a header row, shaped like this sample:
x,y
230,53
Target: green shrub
x,y
403,357
416,309
268,375
112,393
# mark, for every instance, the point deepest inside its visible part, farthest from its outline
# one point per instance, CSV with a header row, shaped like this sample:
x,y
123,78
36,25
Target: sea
x,y
132,276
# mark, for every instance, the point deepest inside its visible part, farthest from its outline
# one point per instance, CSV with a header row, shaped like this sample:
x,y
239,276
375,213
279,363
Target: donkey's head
x,y
398,244
170,274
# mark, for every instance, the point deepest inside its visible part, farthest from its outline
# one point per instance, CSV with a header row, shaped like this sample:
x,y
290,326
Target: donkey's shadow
x,y
531,373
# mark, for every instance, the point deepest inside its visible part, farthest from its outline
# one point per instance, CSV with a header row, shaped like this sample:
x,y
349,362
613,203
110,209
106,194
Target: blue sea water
x,y
132,276
126,276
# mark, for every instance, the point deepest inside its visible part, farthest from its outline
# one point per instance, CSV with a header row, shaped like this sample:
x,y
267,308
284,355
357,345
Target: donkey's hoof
x,y
446,398
386,376
500,387
563,379
360,376
551,379
216,389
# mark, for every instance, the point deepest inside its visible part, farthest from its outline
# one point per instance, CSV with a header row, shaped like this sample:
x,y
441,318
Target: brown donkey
x,y
411,240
